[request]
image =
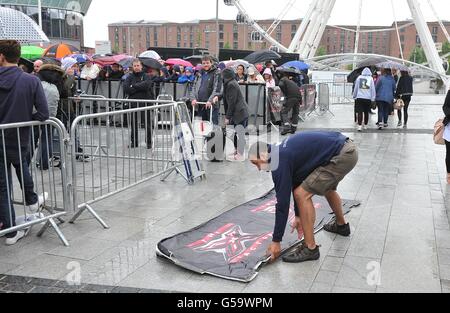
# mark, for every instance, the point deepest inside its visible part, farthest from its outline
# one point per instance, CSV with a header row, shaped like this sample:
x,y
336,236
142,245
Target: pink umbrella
x,y
179,62
110,60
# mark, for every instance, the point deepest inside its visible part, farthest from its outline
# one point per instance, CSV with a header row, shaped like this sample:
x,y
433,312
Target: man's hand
x,y
215,100
227,121
274,251
194,103
297,226
208,105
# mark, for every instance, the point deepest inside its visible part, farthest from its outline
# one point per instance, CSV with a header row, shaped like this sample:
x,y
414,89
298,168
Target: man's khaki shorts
x,y
327,178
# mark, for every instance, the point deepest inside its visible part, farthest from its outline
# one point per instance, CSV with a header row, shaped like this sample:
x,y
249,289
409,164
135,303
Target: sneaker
x,y
294,129
286,131
405,126
41,200
400,124
380,127
364,127
333,227
303,254
360,128
12,241
386,125
83,158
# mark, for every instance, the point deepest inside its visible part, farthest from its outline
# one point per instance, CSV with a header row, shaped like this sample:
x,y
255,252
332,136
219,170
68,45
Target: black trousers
x,y
294,106
447,157
407,101
138,120
362,110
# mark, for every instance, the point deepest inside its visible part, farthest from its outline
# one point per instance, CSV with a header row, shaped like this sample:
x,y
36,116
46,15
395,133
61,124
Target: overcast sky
x,y
375,12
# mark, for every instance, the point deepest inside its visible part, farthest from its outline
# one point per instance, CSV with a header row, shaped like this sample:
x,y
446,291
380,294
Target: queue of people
x,y
383,92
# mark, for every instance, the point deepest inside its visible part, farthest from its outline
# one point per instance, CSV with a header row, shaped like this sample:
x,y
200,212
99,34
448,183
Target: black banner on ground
x,y
233,246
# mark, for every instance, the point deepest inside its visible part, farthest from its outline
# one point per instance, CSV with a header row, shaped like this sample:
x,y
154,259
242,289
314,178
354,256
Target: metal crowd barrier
x,y
132,152
37,152
254,94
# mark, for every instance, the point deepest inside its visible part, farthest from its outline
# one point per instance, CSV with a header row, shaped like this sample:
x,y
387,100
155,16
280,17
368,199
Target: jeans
x,y
44,137
17,157
384,109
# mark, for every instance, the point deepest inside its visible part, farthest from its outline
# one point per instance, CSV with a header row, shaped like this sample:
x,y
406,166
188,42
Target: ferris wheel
x,y
313,24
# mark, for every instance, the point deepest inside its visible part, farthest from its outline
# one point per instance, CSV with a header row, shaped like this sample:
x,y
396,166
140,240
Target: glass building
x,y
61,19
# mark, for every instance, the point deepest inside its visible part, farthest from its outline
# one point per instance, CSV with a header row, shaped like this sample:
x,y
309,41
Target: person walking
x,y
446,109
20,95
293,99
385,90
364,94
305,165
405,90
237,113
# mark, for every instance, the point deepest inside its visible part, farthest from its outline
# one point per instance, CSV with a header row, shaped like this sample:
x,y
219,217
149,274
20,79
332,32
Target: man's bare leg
x,y
307,215
335,201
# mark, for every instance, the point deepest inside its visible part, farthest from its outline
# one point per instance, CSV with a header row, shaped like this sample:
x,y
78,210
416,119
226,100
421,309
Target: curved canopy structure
x,y
18,26
310,32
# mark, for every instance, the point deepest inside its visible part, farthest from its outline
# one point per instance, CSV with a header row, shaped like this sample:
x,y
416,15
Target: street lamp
x,y
217,28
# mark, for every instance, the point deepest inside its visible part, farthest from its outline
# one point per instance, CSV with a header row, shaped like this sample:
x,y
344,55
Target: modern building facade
x,y
135,37
61,19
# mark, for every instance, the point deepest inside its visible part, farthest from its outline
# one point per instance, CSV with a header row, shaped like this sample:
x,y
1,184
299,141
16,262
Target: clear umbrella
x,y
150,54
15,25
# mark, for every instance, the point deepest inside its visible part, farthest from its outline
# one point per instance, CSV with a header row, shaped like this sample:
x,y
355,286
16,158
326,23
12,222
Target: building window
x,y
235,29
221,27
235,45
402,38
435,38
221,45
435,30
221,36
418,39
235,36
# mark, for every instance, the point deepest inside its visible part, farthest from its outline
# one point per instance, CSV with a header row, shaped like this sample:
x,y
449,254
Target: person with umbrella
x,y
241,77
138,85
404,91
364,94
385,89
207,87
254,77
293,99
37,66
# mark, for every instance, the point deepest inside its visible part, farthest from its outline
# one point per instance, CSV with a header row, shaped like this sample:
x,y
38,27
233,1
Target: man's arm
x,y
217,90
40,104
127,86
283,188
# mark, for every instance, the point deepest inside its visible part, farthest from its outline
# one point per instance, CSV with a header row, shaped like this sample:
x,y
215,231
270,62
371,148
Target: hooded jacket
x,y
237,110
405,86
365,86
19,94
52,78
386,88
290,89
207,85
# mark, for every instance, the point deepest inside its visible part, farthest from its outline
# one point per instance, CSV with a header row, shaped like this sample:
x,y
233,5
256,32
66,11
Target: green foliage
x,y
321,51
418,55
227,45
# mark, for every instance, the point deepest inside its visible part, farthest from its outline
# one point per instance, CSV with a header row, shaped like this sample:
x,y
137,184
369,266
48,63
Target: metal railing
x,y
141,149
40,186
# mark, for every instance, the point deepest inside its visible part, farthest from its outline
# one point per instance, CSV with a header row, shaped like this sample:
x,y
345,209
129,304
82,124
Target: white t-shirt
x,y
447,133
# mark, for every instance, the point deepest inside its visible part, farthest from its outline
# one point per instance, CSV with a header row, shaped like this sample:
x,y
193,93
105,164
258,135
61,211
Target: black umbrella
x,y
370,62
197,59
262,56
289,70
151,63
126,63
27,63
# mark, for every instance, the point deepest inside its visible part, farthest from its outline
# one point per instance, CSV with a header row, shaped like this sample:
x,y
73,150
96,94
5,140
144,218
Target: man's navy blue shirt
x,y
292,161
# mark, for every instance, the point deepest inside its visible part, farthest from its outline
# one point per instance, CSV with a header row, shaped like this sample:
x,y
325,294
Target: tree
x,y
418,55
446,48
321,51
227,45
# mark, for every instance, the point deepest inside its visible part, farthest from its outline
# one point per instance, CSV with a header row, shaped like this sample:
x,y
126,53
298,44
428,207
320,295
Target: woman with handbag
x,y
446,109
404,92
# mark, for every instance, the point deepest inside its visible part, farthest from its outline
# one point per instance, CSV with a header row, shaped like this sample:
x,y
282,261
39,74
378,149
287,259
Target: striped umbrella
x,y
60,51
